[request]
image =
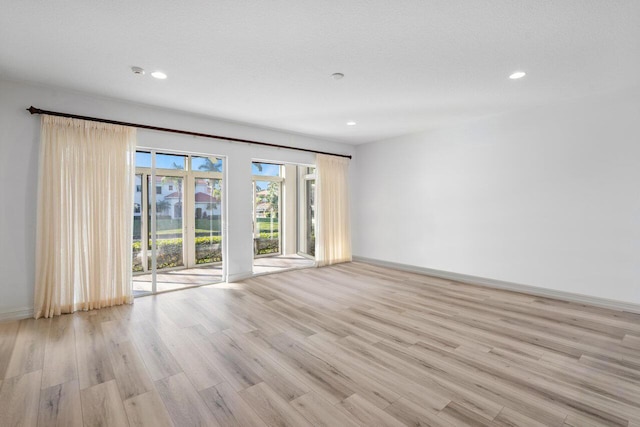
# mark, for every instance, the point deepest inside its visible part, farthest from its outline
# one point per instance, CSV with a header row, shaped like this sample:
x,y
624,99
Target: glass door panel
x,y
137,247
306,211
266,218
169,222
207,220
310,231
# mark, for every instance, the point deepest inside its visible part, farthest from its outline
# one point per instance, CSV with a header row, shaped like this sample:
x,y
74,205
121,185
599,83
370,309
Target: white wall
x,y
19,145
547,197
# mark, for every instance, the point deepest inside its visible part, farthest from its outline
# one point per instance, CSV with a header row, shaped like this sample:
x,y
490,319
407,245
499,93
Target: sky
x,y
169,161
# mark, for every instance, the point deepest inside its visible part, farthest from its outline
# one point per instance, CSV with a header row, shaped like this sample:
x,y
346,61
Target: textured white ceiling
x,y
409,65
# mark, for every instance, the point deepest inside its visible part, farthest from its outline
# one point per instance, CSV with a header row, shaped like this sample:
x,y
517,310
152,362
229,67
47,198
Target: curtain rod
x,y
34,110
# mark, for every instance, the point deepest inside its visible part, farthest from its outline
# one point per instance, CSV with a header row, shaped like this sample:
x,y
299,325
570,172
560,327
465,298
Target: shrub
x,y
169,252
208,249
267,246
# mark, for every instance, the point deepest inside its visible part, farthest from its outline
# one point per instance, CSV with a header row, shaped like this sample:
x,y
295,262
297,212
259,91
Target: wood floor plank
x,y
425,397
360,383
60,360
282,381
262,345
60,405
413,414
612,367
368,414
184,404
147,410
207,320
157,358
508,417
116,331
578,420
102,406
517,387
28,350
229,408
129,370
218,306
94,366
321,413
199,367
206,309
233,367
273,410
631,341
19,399
321,376
459,415
8,335
448,387
573,398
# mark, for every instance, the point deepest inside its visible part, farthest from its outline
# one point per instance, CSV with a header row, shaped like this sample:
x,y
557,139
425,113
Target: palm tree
x,y
273,193
209,166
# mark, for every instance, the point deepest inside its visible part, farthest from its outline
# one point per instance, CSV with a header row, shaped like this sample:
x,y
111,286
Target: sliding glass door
x,y
178,208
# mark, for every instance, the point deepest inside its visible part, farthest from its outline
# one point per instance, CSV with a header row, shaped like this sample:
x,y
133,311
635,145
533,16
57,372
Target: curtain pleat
x,y
85,205
333,223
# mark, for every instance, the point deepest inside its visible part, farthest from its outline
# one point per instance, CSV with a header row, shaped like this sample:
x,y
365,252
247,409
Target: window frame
x,y
269,178
303,178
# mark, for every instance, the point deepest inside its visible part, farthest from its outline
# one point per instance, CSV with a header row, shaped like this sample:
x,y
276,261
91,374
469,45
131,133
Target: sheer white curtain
x,y
84,231
333,226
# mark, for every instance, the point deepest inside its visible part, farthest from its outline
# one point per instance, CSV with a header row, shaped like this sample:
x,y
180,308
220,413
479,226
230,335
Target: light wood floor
x,y
205,275
176,279
345,345
274,264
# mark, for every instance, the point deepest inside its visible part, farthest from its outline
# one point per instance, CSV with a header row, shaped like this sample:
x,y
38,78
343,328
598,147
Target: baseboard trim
x,y
22,313
509,286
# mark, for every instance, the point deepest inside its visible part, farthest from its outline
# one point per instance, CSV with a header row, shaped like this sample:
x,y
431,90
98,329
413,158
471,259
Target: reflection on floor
x,y
280,263
177,279
206,275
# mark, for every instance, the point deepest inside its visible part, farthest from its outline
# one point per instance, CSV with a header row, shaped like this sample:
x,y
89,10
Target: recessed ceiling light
x,y
517,75
337,76
351,123
138,71
159,75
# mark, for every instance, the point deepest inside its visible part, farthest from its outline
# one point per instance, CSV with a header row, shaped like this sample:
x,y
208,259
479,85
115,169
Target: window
x,y
158,190
171,188
206,164
267,190
170,161
143,159
265,169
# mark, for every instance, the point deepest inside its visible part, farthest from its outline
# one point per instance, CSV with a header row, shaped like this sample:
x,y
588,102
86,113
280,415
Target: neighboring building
x,y
169,197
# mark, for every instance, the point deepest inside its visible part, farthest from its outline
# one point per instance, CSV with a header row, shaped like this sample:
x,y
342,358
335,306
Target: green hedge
x,y
208,250
169,252
264,245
